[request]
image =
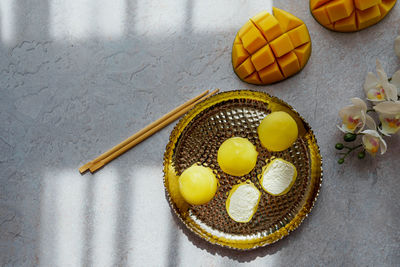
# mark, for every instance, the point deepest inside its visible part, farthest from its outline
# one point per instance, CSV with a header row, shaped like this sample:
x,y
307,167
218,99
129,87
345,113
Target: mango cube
x,y
347,24
239,55
271,74
386,6
286,20
368,17
246,27
282,45
317,3
339,9
246,68
303,54
268,25
263,58
364,4
321,15
237,40
289,64
253,78
253,40
299,36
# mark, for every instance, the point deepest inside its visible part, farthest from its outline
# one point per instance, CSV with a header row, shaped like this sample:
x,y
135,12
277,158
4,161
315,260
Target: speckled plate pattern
x,y
196,139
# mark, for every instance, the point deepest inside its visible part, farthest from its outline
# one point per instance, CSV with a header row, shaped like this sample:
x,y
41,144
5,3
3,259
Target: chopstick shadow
x,y
88,229
123,227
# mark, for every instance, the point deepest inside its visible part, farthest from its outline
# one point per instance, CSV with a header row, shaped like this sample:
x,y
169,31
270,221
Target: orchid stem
x,y
370,110
350,149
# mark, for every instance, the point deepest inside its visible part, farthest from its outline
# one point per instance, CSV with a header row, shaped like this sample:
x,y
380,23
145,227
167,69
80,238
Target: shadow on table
x,y
240,256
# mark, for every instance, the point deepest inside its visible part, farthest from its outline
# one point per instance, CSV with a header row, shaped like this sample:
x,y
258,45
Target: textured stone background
x,y
77,77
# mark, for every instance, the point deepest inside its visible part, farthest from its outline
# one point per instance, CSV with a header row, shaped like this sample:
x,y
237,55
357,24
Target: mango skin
x,y
349,15
270,48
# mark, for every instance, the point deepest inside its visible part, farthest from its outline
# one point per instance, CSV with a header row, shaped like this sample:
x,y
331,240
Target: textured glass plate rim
x,y
248,244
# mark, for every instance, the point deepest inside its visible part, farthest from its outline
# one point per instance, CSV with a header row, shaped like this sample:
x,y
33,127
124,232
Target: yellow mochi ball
x,y
198,185
277,131
237,156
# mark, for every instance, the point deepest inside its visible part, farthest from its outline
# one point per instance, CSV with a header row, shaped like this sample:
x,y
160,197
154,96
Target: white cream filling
x,y
242,202
278,177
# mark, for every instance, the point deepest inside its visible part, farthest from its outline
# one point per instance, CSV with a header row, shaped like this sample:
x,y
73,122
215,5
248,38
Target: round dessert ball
x,y
198,185
277,131
237,156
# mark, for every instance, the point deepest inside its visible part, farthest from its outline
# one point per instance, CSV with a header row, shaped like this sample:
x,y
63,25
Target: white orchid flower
x,y
397,46
378,88
372,141
389,115
396,81
354,117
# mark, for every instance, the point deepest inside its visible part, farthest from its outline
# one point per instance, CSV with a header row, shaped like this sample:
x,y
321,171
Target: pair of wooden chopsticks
x,y
143,134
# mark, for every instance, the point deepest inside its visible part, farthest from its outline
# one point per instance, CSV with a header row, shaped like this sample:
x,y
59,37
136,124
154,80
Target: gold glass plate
x,y
196,139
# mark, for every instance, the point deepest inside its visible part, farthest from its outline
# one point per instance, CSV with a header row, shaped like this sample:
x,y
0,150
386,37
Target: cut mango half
x,y
243,201
278,177
270,48
349,15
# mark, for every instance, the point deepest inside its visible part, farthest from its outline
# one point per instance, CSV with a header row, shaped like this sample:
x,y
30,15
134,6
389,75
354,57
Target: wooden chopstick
x,y
85,167
139,133
143,134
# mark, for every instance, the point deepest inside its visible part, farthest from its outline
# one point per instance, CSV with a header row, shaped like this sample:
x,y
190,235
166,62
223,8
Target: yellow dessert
x,y
349,15
237,156
175,193
277,131
242,202
278,177
198,185
270,48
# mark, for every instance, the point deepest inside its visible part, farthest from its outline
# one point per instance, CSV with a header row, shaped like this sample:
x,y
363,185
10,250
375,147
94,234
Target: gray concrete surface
x,y
77,77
